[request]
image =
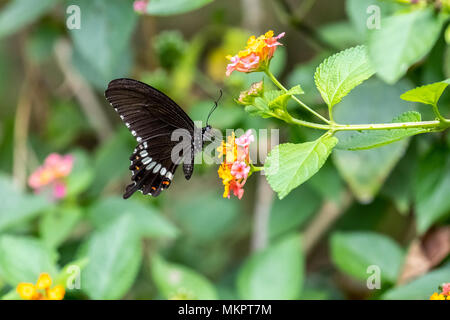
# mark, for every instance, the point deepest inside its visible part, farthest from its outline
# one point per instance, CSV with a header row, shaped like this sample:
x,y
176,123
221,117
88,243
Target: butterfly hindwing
x,y
151,117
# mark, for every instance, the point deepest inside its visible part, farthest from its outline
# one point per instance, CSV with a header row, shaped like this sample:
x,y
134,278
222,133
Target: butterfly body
x,y
165,134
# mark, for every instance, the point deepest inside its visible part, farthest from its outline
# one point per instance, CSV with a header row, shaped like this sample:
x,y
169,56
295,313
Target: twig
x,y
83,92
253,16
21,124
261,216
323,220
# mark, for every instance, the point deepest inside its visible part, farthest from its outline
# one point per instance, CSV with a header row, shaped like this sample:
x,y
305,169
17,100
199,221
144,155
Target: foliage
x,y
361,172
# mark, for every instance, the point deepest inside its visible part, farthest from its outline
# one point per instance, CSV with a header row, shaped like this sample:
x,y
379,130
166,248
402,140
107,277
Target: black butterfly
x,y
152,117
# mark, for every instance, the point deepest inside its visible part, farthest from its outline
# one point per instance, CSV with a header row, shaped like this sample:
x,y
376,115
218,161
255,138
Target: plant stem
x,y
440,124
279,85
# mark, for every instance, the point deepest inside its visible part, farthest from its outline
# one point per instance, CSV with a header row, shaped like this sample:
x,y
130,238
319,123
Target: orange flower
x,y
235,170
42,290
256,54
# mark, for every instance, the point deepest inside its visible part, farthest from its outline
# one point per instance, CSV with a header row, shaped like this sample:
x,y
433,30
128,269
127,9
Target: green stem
x,y
279,85
436,125
438,114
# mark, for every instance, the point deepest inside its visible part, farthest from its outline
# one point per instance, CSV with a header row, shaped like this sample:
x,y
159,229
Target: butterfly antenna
x,y
216,104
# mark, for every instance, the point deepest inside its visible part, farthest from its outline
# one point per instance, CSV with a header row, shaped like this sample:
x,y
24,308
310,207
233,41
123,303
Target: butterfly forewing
x,y
151,117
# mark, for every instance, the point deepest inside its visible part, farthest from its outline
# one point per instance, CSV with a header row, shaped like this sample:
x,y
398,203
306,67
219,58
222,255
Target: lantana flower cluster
x,y
235,168
140,6
41,290
444,295
256,55
52,174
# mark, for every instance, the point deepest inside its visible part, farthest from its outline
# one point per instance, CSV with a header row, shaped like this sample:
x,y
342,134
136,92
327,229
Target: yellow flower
x,y
44,281
437,296
27,291
57,293
42,290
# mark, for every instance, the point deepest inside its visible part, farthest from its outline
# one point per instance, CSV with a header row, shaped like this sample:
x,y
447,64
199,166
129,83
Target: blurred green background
x,y
388,207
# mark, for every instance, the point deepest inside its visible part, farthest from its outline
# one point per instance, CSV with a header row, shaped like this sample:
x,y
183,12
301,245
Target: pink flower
x,y
52,173
245,64
140,6
245,139
256,55
446,289
240,170
237,189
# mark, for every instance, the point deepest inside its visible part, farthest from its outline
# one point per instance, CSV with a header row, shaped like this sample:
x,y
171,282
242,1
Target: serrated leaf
x,y
428,94
174,280
279,99
342,72
354,252
366,170
376,138
171,7
403,40
289,165
282,263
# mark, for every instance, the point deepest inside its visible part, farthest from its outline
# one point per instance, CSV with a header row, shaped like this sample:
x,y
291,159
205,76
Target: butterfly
x,y
154,120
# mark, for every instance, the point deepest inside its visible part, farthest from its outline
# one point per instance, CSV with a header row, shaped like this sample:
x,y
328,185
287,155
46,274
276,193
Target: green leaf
x,y
68,272
276,273
366,170
111,161
421,288
354,252
82,174
147,221
18,207
192,211
304,74
171,7
403,40
428,94
19,13
368,139
23,259
342,72
105,32
359,14
287,216
289,165
56,225
115,255
431,188
177,281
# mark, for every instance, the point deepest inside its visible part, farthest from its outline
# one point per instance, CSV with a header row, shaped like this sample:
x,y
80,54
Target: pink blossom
x,y
446,289
52,174
240,170
140,6
245,139
59,190
243,64
237,189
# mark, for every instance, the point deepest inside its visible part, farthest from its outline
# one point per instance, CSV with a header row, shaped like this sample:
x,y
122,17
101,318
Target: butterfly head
x,y
207,133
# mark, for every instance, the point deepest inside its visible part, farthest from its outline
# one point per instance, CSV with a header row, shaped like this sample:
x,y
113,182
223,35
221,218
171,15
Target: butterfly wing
x,y
151,117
